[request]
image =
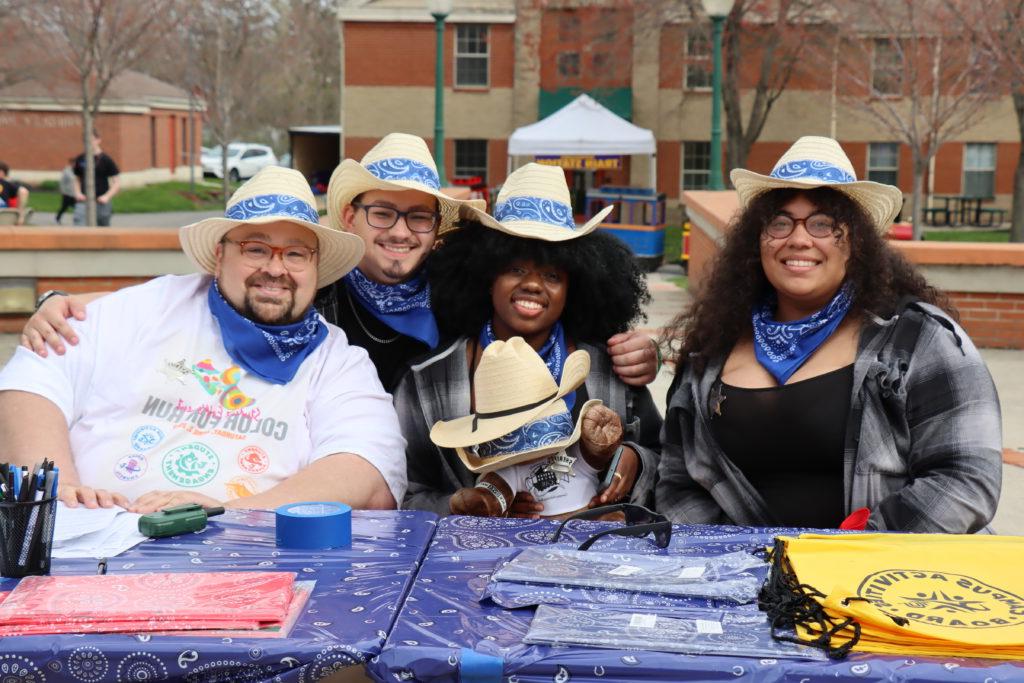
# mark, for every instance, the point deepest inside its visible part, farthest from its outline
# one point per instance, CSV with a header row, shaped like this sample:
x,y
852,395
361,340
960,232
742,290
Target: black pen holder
x,y
26,537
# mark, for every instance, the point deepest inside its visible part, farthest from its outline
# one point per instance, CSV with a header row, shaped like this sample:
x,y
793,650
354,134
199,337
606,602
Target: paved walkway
x,y
1007,369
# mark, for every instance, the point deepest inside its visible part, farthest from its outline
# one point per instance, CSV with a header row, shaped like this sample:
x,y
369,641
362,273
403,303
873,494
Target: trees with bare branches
x,y
97,40
909,68
999,25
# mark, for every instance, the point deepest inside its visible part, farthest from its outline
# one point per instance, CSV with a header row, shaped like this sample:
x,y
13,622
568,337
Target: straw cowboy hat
x,y
274,194
820,162
534,203
398,162
513,390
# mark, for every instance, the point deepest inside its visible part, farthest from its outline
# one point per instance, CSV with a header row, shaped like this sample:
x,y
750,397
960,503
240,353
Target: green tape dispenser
x,y
179,519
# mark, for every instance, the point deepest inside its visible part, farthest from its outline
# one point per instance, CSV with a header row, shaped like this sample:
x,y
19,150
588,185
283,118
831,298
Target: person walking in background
x,y
108,184
67,189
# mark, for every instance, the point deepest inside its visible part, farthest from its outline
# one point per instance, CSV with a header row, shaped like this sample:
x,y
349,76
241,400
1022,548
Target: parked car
x,y
244,159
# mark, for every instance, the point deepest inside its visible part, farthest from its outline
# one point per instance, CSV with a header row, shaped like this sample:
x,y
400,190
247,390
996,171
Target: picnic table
x,y
963,210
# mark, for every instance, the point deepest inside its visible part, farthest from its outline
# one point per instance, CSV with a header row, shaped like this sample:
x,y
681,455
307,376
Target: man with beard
x,y
392,200
223,388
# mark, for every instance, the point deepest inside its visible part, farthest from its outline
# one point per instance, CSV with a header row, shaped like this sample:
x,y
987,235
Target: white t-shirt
x,y
548,481
154,402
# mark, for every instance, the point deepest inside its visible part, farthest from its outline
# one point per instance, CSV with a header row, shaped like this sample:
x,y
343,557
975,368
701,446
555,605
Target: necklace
x,y
369,334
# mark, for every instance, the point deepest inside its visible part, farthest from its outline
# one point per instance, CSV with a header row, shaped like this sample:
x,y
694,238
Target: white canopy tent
x,y
583,128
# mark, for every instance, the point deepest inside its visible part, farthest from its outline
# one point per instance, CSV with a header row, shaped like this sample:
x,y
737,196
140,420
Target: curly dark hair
x,y
736,283
607,289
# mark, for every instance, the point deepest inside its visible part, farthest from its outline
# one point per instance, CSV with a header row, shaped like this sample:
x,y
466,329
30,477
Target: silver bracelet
x,y
488,486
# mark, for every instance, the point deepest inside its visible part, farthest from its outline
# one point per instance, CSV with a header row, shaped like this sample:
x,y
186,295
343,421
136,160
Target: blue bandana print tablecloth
x,y
444,633
350,611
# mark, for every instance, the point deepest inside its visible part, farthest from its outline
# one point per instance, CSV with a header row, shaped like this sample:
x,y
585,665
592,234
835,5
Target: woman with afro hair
x,y
527,272
820,381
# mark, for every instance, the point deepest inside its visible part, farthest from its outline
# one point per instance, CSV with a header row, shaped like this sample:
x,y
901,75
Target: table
x,y
350,611
442,621
957,210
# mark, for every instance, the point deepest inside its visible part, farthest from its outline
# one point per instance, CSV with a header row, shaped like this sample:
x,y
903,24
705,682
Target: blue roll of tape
x,y
314,526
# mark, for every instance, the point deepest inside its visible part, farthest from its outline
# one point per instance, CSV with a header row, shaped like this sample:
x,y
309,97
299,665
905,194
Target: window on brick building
x,y
569,64
568,26
471,159
979,169
698,58
886,67
472,56
696,165
884,162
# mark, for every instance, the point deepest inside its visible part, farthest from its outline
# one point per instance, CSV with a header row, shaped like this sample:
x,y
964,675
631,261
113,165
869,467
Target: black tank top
x,y
788,442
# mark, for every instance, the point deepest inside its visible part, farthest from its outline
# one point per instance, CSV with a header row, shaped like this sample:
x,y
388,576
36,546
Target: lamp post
x,y
439,9
717,10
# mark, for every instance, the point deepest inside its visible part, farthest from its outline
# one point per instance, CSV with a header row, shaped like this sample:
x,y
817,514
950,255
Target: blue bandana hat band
x,y
812,170
272,206
554,352
273,352
405,169
781,348
535,209
533,436
404,307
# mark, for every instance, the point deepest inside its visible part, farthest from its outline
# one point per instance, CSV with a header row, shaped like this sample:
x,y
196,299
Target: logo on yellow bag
x,y
942,599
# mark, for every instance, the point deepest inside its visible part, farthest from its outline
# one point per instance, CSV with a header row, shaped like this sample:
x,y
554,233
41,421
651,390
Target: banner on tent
x,y
582,163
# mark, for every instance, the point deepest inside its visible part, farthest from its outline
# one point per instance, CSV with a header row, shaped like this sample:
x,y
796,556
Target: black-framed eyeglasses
x,y
816,225
295,257
639,522
385,217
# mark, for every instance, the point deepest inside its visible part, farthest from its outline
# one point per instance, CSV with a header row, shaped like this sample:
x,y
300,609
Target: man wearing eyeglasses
x,y
392,200
221,388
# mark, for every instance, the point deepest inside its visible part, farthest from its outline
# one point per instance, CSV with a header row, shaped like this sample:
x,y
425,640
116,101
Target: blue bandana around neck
x,y
273,352
554,352
783,347
404,307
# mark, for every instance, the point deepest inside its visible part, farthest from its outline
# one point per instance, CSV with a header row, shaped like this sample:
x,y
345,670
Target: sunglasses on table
x,y
639,522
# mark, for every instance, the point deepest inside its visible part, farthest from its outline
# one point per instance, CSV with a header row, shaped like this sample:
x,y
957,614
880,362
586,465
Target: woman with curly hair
x,y
820,381
527,272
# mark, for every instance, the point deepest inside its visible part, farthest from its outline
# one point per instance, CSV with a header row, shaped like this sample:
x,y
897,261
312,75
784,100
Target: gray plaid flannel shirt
x,y
923,442
438,389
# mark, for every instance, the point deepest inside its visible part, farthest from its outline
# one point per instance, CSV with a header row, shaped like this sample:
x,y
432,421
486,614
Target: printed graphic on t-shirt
x,y
545,482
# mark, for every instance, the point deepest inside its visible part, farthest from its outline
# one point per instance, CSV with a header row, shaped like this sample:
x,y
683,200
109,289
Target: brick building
x,y
509,63
146,125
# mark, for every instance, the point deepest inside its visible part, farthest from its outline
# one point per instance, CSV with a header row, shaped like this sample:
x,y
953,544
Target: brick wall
x,y
985,281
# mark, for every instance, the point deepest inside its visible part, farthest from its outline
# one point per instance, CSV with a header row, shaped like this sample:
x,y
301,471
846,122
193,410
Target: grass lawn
x,y
673,243
170,196
967,235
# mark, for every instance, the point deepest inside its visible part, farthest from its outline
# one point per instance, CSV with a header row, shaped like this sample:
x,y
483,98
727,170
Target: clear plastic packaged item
x,y
732,576
688,631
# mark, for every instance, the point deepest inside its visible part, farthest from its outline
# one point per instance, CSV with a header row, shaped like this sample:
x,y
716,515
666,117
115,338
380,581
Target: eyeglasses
x,y
816,225
295,257
639,522
385,217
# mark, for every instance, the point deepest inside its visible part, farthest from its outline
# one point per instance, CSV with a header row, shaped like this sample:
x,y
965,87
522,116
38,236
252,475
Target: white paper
x,y
709,627
643,620
625,570
691,573
97,532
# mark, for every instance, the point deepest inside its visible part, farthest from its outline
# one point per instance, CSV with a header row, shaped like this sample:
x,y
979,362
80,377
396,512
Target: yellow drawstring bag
x,y
929,594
